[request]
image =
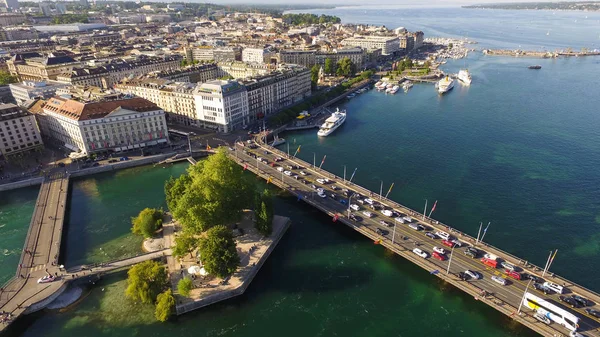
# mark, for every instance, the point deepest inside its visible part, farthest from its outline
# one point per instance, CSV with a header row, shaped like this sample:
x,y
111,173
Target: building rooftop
x,y
92,110
10,111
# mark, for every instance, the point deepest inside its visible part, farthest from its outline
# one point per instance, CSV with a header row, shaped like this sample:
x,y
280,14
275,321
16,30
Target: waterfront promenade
x,y
23,293
401,239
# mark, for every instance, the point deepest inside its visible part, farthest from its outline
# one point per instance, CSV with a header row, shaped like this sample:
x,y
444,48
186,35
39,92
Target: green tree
x,y
328,68
217,193
6,78
345,67
175,188
314,75
264,213
165,305
218,252
450,45
184,286
184,244
147,222
145,281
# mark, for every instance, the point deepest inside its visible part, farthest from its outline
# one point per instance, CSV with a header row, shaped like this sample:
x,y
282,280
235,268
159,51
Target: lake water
x,y
518,148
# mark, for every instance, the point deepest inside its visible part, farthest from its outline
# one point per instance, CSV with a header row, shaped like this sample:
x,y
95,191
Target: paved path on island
x,y
403,240
40,252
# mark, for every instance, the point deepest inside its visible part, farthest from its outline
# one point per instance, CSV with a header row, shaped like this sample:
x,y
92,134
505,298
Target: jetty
x,y
402,239
539,54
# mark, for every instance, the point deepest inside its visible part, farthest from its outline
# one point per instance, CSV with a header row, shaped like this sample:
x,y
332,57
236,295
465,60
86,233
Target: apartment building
x,y
387,44
19,131
175,98
99,126
35,67
302,57
271,93
222,105
28,90
107,75
357,55
243,70
257,55
194,74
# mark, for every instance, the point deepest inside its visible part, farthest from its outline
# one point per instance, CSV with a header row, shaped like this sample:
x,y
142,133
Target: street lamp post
x,y
349,199
394,231
344,173
314,160
381,191
522,298
449,261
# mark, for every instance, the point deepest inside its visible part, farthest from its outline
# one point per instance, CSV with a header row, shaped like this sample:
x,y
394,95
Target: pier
x,y
22,294
401,239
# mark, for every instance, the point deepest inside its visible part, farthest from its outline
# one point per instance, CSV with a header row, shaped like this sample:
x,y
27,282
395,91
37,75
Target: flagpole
x,y
479,232
381,191
425,210
322,161
388,192
344,173
314,159
432,208
353,175
552,260
485,230
394,232
288,144
547,262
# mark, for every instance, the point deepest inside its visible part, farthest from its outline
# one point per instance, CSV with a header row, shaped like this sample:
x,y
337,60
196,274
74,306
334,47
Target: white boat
x,y
393,90
277,141
445,84
407,85
332,123
382,86
378,84
389,86
464,76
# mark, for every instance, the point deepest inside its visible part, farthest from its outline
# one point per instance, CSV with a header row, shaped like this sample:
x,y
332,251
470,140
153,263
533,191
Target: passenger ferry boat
x,y
332,123
464,76
445,84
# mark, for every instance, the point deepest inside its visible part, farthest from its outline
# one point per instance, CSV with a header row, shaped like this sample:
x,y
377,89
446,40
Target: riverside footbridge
x,y
300,179
24,293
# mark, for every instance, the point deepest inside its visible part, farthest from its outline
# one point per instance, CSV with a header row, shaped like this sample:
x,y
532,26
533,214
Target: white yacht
x,y
407,85
445,84
332,123
392,90
278,141
464,76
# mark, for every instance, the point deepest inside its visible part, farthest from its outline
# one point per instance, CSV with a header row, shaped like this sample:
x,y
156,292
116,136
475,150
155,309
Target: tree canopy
x,y
345,67
184,286
213,192
314,75
70,18
309,19
145,281
264,212
147,222
218,252
165,305
184,244
6,78
328,68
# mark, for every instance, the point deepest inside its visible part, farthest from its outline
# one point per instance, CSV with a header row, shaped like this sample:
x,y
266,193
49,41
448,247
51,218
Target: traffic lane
x,y
505,291
510,294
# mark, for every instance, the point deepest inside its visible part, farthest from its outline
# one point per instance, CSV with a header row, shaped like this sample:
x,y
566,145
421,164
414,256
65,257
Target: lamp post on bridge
x,y
449,261
349,203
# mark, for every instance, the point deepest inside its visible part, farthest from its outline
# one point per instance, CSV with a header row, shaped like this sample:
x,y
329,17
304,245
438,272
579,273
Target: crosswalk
x,y
38,267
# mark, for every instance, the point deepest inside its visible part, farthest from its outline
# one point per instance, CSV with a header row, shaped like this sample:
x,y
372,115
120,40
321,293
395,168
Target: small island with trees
x,y
218,231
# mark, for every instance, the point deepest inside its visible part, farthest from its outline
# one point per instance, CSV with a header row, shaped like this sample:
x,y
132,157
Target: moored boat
x,y
332,123
445,84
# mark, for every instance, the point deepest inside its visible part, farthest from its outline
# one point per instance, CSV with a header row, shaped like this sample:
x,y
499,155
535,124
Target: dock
x,y
401,239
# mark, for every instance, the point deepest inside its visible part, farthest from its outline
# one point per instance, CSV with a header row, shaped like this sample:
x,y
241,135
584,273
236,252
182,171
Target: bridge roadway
x,y
40,251
505,299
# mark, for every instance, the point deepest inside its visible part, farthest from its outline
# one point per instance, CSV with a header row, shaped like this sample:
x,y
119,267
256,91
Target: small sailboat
x,y
548,32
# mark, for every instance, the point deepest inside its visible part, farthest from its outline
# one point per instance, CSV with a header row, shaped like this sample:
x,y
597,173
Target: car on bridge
x,y
473,274
513,274
570,301
387,212
582,300
593,312
322,194
499,279
431,235
542,288
416,226
420,252
368,214
355,207
303,173
355,217
508,266
439,250
472,252
448,243
439,256
47,279
287,173
385,223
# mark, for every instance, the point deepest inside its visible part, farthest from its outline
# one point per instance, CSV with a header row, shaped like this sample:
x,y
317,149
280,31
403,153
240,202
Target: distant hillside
x,y
566,6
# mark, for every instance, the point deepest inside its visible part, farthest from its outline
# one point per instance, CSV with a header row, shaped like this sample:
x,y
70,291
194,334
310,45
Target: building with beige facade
x,y
100,126
387,44
302,57
19,131
35,67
